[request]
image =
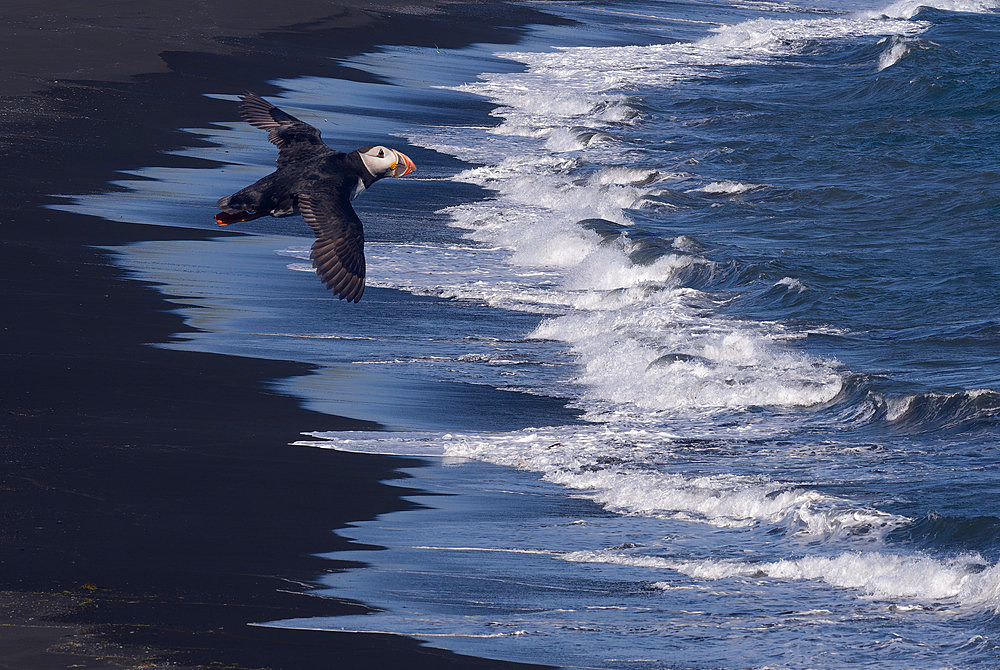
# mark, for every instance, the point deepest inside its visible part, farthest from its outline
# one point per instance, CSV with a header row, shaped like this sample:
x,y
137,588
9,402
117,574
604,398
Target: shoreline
x,y
151,504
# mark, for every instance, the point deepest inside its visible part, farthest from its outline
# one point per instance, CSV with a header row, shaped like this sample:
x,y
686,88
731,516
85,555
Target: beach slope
x,y
151,504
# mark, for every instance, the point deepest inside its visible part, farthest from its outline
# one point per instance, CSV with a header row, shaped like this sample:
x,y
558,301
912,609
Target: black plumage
x,y
318,182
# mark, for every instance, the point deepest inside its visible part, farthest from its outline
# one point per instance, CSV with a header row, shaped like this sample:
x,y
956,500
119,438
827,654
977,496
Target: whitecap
x,y
965,581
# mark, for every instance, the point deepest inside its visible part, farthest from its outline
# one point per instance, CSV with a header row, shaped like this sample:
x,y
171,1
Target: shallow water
x,y
692,304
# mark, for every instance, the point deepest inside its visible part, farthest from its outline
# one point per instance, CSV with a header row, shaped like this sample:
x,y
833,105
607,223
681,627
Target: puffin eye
x,y
381,153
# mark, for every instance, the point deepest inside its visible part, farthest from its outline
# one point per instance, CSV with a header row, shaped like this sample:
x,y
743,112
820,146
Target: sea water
x,y
693,308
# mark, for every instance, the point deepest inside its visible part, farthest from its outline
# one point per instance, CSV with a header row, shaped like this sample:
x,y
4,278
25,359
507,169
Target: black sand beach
x,y
150,506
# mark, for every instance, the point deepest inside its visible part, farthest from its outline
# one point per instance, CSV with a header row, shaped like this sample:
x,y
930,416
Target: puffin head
x,y
385,162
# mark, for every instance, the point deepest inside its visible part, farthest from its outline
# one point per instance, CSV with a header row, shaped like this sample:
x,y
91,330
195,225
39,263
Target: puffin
x,y
318,182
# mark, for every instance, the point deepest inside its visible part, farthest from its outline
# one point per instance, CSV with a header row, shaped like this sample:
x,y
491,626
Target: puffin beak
x,y
403,164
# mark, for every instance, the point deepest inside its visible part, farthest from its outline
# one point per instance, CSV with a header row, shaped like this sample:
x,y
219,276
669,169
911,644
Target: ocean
x,y
690,314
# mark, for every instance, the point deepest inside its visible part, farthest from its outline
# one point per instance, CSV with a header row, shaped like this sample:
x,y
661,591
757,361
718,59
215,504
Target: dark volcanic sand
x,y
150,506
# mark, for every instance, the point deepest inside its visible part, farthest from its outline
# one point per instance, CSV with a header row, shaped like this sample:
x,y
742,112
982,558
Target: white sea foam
x,y
896,52
586,79
907,9
943,409
620,317
728,187
966,581
875,573
725,365
898,406
567,456
612,467
791,284
582,85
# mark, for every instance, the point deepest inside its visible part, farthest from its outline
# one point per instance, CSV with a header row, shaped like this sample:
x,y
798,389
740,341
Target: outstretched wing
x,y
295,139
338,253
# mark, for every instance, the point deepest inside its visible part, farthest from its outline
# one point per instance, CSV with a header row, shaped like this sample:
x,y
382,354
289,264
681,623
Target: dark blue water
x,y
695,307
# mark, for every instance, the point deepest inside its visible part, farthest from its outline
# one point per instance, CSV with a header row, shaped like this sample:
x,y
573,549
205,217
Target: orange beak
x,y
403,164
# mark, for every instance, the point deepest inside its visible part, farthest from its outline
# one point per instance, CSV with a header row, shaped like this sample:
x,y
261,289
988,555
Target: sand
x,y
150,504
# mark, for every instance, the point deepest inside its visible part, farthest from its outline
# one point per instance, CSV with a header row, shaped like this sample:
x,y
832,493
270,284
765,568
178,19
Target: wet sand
x,y
150,506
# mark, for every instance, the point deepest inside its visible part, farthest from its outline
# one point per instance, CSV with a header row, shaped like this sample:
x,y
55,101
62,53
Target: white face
x,y
380,161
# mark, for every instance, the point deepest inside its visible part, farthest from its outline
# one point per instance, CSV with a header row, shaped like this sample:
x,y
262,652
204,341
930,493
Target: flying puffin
x,y
320,183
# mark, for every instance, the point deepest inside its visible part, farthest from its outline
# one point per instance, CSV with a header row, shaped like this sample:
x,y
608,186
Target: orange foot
x,y
224,219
